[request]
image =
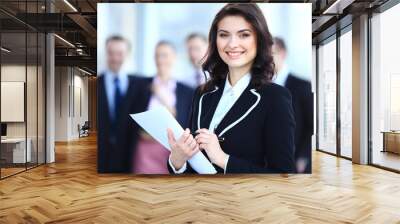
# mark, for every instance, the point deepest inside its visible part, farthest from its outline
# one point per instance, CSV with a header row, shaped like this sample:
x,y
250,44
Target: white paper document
x,y
156,121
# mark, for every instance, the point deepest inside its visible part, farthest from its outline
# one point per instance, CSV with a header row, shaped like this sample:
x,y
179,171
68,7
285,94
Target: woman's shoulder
x,y
273,90
277,96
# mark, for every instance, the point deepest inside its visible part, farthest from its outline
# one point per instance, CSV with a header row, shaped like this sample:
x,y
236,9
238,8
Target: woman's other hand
x,y
182,149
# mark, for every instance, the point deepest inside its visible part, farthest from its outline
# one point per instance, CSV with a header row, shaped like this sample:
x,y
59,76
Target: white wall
x,y
61,103
79,117
71,93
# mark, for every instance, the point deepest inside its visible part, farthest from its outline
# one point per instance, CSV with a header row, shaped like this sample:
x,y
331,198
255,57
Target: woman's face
x,y
236,42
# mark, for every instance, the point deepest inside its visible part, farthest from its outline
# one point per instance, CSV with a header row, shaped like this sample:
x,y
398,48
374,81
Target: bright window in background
x,y
385,85
327,97
346,94
395,101
313,86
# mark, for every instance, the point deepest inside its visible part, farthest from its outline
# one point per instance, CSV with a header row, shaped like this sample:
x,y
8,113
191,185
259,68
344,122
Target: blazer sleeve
x,y
193,109
278,135
304,147
309,110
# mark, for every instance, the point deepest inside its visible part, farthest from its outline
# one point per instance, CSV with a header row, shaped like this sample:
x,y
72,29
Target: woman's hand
x,y
183,149
208,141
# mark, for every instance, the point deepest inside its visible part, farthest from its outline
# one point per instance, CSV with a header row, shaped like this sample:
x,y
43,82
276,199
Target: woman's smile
x,y
234,54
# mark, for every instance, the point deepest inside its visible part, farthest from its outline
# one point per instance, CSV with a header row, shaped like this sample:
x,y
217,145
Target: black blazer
x,y
303,106
116,140
258,130
184,96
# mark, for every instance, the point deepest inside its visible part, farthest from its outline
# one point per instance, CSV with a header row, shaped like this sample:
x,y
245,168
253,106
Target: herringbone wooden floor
x,y
70,191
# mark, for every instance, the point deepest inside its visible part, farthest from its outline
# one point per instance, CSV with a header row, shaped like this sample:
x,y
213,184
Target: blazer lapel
x,y
208,105
240,109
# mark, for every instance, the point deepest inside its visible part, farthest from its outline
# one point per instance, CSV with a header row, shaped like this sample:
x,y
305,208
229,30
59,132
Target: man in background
x,y
118,96
197,45
302,101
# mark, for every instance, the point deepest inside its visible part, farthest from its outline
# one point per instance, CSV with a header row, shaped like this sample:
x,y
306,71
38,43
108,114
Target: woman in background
x,y
244,122
150,157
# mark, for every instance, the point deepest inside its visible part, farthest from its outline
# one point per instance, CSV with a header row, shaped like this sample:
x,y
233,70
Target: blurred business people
x,y
196,44
244,122
150,156
302,100
117,95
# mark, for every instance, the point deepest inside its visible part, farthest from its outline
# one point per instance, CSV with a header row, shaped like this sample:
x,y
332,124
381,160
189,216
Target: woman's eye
x,y
244,35
223,35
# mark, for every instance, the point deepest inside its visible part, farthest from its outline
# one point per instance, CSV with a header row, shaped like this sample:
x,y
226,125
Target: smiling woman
x,y
239,103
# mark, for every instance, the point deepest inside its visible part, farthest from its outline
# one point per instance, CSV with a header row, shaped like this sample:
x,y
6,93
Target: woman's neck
x,y
235,74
